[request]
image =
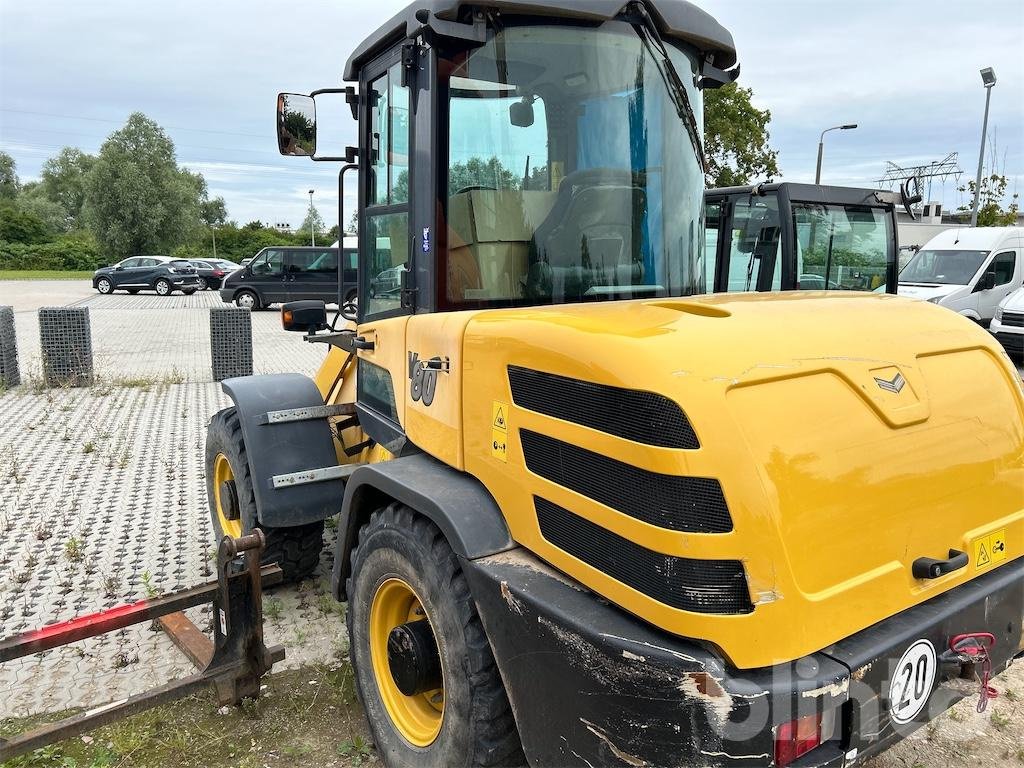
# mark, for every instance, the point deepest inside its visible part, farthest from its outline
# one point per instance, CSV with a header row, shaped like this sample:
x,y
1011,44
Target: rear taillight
x,y
796,738
218,273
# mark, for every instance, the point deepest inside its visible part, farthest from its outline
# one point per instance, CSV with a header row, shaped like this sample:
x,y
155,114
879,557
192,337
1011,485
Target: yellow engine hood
x,y
851,434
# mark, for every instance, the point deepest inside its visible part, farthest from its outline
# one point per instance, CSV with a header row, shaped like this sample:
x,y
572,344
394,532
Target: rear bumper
x,y
591,685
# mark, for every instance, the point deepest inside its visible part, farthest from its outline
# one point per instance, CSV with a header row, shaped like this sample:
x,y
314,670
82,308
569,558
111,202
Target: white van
x,y
967,270
1008,324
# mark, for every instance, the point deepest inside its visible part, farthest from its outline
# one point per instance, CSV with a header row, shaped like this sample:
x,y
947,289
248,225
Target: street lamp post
x,y
821,146
312,233
988,78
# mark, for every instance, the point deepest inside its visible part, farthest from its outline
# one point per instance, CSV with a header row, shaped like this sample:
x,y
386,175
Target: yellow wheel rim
x,y
418,717
221,474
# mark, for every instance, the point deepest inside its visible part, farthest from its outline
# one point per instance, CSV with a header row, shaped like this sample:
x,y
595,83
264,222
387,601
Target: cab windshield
x,y
571,172
943,267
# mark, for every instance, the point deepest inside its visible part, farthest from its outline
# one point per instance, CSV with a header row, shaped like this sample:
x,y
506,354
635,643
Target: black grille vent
x,y
701,586
1013,319
644,417
693,504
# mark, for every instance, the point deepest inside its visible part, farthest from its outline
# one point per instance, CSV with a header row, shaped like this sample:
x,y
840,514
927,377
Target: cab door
x,y
385,252
1006,273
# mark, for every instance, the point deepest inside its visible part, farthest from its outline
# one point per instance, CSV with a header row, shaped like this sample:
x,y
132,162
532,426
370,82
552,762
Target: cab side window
x,y
713,223
129,263
270,263
1004,265
755,245
148,262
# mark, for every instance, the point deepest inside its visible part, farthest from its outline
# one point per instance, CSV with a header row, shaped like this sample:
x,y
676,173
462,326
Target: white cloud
x,y
209,72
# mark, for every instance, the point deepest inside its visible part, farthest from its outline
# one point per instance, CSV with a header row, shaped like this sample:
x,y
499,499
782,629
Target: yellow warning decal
x,y
499,430
989,550
499,415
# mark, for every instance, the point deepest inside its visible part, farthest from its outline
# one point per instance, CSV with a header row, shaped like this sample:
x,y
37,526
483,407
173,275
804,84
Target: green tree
x,y
213,213
736,138
993,192
34,202
137,199
20,226
313,221
63,180
9,184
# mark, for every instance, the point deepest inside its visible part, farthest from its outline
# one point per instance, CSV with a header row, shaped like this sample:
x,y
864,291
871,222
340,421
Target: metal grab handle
x,y
930,568
360,342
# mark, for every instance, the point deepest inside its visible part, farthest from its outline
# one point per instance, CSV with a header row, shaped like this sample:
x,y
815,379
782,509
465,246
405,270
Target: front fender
x,y
286,447
454,501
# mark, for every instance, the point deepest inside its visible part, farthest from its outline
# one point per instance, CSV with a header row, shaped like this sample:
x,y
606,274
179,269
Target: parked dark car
x,y
212,272
278,274
147,273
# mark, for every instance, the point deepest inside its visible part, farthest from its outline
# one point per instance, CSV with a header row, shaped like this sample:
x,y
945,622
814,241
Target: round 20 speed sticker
x,y
912,682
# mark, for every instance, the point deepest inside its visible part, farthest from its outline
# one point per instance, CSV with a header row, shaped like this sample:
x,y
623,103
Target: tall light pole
x,y
988,77
821,146
312,229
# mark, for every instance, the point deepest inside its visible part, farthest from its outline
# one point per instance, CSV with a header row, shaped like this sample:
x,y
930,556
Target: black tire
x,y
105,286
296,549
203,285
188,291
163,287
247,299
477,728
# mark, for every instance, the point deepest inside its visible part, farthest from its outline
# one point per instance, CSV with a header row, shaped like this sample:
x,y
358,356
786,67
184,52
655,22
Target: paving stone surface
x,y
103,499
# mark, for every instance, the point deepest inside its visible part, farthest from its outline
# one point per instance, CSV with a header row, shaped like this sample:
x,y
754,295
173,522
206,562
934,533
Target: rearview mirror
x,y
305,316
520,113
296,124
987,282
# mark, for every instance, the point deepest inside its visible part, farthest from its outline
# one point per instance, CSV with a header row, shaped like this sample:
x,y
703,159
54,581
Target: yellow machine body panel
x,y
884,431
835,484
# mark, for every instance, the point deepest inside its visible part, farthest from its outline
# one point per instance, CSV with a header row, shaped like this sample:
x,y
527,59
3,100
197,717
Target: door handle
x,y
930,568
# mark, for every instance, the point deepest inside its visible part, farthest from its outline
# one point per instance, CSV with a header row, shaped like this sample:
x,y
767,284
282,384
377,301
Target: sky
x,y
209,72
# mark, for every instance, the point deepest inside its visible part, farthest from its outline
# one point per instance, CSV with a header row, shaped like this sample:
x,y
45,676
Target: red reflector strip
x,y
796,738
79,628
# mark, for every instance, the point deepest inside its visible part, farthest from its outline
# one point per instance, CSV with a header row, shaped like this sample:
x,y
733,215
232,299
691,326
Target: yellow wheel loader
x,y
589,515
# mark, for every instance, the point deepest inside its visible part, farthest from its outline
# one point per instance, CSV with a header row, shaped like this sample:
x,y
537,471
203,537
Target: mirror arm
x,y
433,28
352,99
342,288
713,77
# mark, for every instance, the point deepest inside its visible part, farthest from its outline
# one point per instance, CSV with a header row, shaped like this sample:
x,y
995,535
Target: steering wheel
x,y
592,177
477,188
348,310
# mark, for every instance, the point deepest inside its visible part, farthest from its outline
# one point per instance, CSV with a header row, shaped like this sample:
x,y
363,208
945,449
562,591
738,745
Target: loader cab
x,y
512,160
786,237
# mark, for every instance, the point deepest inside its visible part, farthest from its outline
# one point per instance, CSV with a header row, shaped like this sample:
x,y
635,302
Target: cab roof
x,y
676,19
